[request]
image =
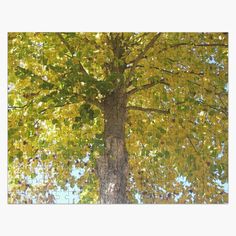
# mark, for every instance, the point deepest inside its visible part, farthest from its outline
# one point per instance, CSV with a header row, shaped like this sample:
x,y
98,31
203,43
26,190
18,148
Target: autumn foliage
x,y
174,92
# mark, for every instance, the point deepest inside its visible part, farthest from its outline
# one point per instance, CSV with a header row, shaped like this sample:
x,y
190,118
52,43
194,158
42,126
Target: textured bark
x,y
113,166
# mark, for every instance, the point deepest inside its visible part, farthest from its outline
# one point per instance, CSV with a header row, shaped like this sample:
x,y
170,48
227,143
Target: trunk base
x,y
112,171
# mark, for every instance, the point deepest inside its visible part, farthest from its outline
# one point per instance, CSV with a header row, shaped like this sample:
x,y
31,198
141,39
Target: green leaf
x,y
46,85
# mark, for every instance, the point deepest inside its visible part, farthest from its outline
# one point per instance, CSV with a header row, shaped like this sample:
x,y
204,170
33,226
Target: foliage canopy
x,y
176,125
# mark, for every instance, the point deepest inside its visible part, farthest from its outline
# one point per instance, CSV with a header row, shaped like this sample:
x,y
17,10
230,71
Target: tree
x,y
141,116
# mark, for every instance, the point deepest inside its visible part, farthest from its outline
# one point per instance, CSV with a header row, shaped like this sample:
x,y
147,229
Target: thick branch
x,y
148,109
141,55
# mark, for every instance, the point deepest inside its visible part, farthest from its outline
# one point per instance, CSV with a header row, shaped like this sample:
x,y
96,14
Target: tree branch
x,y
72,51
146,86
175,72
68,46
30,73
92,102
191,142
148,109
200,74
141,55
81,68
57,106
20,107
193,45
16,107
95,103
220,109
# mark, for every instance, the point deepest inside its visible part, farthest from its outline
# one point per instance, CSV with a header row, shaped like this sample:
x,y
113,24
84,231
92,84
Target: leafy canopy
x,y
176,129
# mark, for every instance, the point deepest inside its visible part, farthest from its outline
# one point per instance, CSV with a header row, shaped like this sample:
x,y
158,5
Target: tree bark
x,y
113,166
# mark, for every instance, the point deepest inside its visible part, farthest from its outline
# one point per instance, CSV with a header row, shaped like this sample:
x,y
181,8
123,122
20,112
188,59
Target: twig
x,y
146,86
148,109
193,45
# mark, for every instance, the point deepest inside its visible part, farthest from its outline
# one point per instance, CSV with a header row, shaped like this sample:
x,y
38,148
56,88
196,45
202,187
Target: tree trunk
x,y
113,166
